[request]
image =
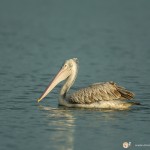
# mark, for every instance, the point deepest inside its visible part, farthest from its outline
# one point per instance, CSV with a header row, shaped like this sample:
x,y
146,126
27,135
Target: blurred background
x,y
111,39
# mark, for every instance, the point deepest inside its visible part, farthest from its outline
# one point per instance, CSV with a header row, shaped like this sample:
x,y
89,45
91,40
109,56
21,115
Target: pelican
x,y
105,95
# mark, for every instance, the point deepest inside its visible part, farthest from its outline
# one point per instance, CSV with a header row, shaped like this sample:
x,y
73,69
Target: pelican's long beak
x,y
61,75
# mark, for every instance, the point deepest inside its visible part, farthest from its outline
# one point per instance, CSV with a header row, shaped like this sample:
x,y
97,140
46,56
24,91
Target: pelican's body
x,y
99,95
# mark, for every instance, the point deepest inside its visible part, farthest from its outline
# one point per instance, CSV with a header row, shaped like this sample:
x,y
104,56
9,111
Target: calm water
x,y
111,39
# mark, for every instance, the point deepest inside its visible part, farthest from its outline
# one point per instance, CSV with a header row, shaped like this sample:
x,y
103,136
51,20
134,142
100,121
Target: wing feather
x,y
98,92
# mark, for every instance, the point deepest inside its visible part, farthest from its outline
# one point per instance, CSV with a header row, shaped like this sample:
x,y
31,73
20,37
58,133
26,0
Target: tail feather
x,y
135,103
129,104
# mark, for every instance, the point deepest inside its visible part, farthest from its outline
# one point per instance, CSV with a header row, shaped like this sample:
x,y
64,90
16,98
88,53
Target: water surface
x,y
111,41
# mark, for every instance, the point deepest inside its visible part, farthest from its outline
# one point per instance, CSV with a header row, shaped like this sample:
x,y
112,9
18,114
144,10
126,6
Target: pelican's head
x,y
67,71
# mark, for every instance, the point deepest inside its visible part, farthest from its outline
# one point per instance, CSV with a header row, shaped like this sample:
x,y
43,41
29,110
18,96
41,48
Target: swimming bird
x,y
107,95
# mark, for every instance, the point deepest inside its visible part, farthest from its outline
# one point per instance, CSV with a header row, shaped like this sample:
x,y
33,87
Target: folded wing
x,y
100,92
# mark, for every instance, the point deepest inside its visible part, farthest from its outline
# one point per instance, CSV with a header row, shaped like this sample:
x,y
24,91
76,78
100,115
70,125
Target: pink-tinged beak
x,y
61,75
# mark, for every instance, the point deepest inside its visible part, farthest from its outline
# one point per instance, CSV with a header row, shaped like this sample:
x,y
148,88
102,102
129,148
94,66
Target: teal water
x,y
111,39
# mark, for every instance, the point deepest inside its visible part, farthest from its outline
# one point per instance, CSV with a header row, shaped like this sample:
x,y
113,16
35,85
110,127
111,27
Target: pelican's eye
x,y
70,65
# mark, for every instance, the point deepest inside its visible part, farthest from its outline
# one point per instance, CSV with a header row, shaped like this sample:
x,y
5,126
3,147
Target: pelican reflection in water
x,y
106,95
61,124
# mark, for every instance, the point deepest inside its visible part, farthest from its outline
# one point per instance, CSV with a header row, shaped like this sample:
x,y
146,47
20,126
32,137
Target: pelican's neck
x,y
69,82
